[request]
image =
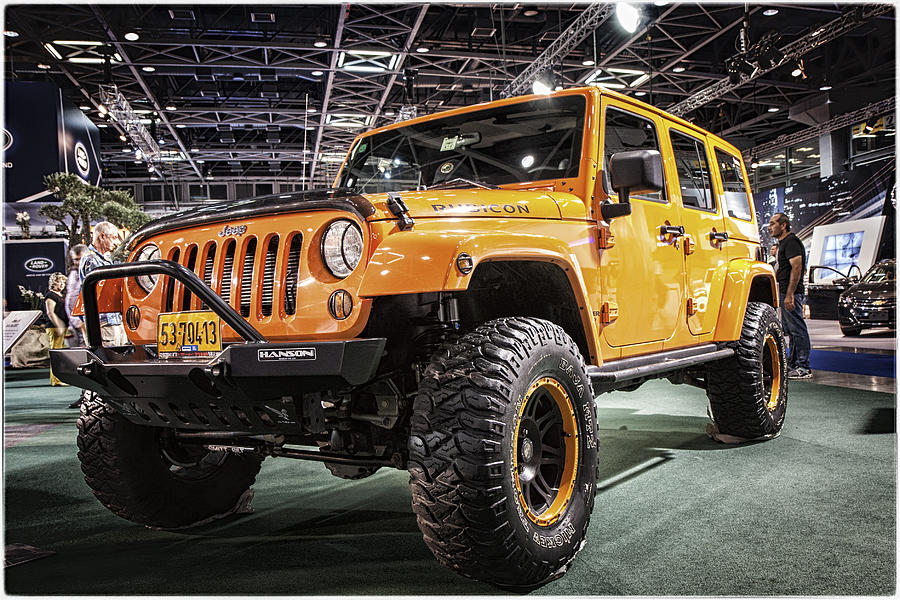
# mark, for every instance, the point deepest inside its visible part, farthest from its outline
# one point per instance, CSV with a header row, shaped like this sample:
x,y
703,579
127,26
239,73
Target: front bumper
x,y
249,386
853,316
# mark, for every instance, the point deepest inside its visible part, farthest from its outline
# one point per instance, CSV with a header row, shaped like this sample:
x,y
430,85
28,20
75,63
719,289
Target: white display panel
x,y
840,245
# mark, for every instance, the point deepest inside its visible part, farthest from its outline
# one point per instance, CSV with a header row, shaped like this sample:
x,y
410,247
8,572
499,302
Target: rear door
x,y
702,217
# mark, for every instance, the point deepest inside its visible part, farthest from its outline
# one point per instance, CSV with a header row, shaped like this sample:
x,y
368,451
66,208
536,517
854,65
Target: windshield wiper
x,y
458,182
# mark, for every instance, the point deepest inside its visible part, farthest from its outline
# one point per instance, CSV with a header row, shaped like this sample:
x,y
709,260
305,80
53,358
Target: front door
x,y
642,275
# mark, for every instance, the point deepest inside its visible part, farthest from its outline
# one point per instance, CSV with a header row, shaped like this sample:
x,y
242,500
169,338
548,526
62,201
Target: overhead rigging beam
x,y
120,48
413,32
816,36
338,33
591,18
845,120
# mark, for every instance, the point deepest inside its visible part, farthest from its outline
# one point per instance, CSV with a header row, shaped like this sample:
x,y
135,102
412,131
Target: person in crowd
x,y
791,266
55,311
73,289
106,237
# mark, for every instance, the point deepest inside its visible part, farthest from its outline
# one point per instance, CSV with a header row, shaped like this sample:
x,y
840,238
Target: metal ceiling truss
x,y
865,113
263,80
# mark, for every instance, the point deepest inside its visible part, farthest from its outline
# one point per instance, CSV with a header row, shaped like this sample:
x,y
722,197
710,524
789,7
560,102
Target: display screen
x,y
841,252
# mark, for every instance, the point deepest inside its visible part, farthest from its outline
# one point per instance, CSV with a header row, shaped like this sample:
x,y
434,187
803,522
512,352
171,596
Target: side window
x,y
737,202
693,171
625,131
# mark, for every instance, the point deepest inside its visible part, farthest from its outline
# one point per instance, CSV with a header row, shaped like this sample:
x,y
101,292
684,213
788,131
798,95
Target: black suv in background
x,y
872,302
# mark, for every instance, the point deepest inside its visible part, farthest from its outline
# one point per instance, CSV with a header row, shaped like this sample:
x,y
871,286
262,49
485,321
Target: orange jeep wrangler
x,y
451,306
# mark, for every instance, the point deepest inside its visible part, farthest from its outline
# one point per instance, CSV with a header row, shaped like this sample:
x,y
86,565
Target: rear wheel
x,y
142,474
748,391
503,453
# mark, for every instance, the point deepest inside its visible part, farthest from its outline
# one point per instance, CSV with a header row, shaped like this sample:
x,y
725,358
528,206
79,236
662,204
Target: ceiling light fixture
x,y
317,73
43,66
678,70
171,107
423,49
148,69
541,88
320,43
640,93
76,43
588,61
123,138
824,87
53,52
11,33
770,12
84,107
799,70
87,60
180,126
773,109
132,36
628,15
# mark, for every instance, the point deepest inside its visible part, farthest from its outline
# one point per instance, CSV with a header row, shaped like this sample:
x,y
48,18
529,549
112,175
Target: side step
x,y
614,373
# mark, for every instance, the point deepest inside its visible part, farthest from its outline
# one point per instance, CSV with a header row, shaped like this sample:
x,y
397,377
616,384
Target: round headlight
x,y
146,282
342,247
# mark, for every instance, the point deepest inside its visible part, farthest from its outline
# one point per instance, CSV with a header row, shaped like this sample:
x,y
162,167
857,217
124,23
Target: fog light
x,y
133,317
340,305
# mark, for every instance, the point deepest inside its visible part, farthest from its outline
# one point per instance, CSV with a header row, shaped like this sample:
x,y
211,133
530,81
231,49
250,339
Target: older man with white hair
x,y
106,237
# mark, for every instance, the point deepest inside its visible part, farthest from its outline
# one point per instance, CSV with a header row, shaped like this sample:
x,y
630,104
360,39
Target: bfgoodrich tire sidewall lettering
x,y
558,539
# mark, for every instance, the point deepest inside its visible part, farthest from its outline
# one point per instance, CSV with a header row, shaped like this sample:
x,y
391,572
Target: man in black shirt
x,y
789,274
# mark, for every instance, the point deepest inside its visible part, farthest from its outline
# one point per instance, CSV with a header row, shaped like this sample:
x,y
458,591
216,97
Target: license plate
x,y
878,315
194,333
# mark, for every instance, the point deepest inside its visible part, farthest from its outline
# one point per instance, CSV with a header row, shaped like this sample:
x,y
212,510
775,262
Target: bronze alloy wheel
x,y
771,365
546,443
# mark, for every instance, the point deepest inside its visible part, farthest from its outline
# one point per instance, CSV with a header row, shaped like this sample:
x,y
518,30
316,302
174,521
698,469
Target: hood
x,y
481,203
326,199
435,203
883,290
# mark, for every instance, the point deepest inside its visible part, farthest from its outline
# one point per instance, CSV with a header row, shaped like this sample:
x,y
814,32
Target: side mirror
x,y
636,171
611,210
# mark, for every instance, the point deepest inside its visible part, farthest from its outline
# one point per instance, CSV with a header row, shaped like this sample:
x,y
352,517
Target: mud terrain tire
x,y
748,391
126,466
503,453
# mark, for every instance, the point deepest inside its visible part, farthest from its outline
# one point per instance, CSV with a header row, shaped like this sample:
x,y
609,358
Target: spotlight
x,y
628,15
539,87
123,138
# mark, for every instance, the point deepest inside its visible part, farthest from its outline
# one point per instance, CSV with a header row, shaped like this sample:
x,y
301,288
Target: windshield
x,y
879,273
528,141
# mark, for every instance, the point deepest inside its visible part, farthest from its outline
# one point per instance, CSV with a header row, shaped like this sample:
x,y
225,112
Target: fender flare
x,y
425,261
740,278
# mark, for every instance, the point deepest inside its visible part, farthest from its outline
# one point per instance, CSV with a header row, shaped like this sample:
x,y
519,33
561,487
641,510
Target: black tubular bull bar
x,y
248,386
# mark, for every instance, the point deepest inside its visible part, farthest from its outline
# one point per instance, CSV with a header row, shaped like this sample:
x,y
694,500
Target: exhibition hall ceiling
x,y
276,92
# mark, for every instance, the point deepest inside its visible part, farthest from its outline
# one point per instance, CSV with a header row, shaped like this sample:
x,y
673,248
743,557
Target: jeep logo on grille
x,y
236,230
288,354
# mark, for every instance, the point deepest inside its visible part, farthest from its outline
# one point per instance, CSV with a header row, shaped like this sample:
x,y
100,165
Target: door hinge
x,y
691,307
609,312
688,245
605,238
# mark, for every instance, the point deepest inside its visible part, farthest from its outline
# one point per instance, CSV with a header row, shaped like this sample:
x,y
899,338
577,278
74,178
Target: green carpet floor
x,y
810,513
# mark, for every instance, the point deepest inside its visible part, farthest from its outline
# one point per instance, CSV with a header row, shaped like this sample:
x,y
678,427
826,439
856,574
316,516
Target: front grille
x,y
247,277
280,264
268,282
875,304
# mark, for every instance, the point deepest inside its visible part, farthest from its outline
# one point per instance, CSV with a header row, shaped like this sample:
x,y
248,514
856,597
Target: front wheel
x,y
141,474
748,391
503,453
851,331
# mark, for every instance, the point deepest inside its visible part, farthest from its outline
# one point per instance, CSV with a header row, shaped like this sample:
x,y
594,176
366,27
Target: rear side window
x,y
624,132
737,202
693,171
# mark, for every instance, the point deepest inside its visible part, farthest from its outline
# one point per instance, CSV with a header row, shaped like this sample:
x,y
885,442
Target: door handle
x,y
673,230
718,236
